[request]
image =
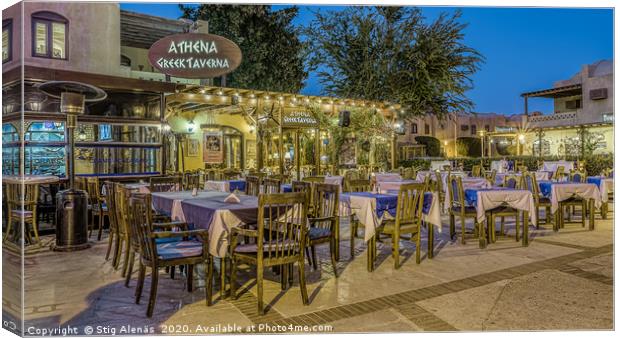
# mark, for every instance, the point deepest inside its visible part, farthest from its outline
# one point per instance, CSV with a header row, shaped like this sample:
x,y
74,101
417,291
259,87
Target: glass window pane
x,y
5,43
58,40
40,40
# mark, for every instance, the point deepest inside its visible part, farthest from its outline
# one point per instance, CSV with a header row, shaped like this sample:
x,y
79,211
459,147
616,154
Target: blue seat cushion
x,y
179,249
316,233
168,240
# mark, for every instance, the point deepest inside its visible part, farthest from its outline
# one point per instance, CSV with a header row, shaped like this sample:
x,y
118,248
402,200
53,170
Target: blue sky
x,y
526,49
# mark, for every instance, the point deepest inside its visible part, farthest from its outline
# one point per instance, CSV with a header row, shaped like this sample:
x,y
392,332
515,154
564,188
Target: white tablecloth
x,y
518,199
387,186
334,180
607,186
553,165
468,183
389,177
222,186
421,175
439,165
564,191
499,166
540,176
364,208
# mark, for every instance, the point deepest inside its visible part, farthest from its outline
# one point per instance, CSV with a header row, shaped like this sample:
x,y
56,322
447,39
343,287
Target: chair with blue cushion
x,y
192,250
458,207
324,221
529,183
408,221
97,205
359,185
280,240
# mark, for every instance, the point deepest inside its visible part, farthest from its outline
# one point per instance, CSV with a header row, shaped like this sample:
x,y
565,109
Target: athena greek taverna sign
x,y
195,55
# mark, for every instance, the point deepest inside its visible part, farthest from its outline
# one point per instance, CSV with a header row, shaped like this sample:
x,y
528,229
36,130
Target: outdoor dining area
x,y
207,224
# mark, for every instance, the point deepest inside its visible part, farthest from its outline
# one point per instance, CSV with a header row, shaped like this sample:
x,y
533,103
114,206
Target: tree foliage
x,y
391,54
433,146
469,146
273,54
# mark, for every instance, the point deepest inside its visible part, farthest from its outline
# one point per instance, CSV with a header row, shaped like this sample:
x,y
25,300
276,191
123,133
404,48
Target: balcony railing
x,y
556,119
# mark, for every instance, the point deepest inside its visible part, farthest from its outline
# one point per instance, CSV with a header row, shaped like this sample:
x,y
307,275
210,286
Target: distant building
x,y
584,101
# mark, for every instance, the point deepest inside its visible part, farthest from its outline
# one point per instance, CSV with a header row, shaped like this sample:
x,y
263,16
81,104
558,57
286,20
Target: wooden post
x,y
281,144
526,107
317,152
393,151
297,155
259,135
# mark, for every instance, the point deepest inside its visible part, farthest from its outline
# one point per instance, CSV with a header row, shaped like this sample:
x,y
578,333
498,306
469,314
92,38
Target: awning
x,y
570,90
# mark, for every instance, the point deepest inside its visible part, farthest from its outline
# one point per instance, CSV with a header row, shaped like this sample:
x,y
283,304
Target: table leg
x,y
591,207
223,277
482,237
604,210
369,255
337,235
431,240
526,228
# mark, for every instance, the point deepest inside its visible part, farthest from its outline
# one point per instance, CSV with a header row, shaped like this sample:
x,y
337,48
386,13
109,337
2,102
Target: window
x,y
464,127
49,32
473,129
414,128
7,40
427,129
487,127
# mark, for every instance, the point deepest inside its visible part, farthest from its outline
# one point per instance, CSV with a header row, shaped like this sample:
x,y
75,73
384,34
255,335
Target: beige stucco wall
x,y
14,13
93,36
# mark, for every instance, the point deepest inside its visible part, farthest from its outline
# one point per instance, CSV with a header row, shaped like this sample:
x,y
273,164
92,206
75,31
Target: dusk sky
x,y
526,49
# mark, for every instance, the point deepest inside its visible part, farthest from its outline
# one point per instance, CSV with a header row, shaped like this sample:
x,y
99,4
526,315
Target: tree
x,y
390,54
273,54
469,146
433,146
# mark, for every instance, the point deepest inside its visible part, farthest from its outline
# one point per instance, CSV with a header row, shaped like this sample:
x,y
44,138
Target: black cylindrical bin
x,y
71,220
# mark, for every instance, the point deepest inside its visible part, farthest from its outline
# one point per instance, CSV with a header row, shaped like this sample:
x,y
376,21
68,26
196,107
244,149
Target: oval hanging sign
x,y
195,55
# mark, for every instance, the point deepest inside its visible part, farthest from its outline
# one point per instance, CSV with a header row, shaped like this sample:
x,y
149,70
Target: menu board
x,y
213,147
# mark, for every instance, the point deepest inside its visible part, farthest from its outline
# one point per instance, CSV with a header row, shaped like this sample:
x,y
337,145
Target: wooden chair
x,y
166,184
283,178
184,252
356,186
522,169
408,220
577,176
439,185
123,247
271,186
252,185
324,221
529,182
512,181
305,187
558,174
191,181
279,241
97,204
22,202
113,234
314,179
491,177
476,171
458,207
228,175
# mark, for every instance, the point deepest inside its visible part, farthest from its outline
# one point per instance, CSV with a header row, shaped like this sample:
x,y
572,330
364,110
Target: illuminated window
x,y
49,35
7,39
414,128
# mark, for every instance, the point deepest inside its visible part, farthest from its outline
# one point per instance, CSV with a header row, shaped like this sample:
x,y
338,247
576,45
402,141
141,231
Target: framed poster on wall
x,y
213,151
192,147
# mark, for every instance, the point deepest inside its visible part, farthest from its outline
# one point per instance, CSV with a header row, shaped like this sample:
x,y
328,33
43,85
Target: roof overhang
x,y
141,31
564,91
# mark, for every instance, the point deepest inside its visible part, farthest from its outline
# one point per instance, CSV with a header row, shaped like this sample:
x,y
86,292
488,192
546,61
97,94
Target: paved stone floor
x,y
561,281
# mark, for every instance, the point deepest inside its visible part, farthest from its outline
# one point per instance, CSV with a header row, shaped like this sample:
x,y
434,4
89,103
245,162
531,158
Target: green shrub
x,y
469,146
421,163
433,146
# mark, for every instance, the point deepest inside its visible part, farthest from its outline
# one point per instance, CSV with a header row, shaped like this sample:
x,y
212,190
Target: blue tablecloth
x,y
384,202
287,187
236,185
545,187
471,195
595,180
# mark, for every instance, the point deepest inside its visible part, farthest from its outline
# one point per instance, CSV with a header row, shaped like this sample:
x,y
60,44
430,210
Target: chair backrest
x,y
305,187
93,190
230,175
491,176
165,184
577,176
476,171
325,200
512,181
26,199
252,185
439,184
140,226
528,182
271,185
358,185
122,207
559,172
283,178
410,204
314,179
282,225
191,181
522,169
111,203
80,183
455,189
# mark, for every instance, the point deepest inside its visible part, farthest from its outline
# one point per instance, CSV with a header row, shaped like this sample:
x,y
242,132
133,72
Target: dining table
x,y
605,186
371,209
540,176
487,199
558,192
225,185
